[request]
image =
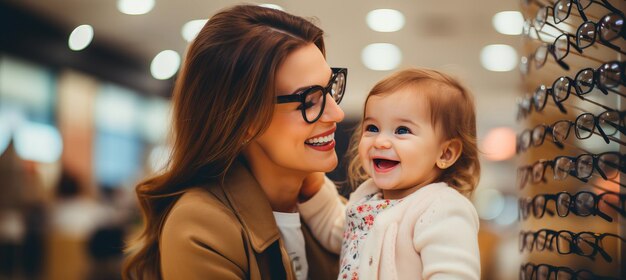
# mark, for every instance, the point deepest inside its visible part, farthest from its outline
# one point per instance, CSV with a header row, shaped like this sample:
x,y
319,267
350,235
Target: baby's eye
x,y
371,128
403,130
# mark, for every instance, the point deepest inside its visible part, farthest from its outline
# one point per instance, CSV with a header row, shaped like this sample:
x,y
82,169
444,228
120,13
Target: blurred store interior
x,y
84,111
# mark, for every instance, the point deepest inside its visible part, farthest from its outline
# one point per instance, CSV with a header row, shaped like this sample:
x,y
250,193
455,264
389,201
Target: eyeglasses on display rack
x,y
561,10
586,244
607,123
313,99
531,271
608,76
580,204
559,49
608,29
608,165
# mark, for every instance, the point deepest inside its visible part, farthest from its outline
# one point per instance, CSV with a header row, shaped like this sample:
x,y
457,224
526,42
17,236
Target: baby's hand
x,y
311,185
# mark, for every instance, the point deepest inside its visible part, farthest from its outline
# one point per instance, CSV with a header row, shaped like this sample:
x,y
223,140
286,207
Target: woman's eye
x,y
306,105
371,128
403,130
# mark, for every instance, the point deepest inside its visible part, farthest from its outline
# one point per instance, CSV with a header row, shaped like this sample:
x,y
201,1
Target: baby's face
x,y
399,146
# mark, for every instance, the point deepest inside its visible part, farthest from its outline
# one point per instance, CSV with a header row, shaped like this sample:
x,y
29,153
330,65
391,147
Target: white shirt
x,y
291,232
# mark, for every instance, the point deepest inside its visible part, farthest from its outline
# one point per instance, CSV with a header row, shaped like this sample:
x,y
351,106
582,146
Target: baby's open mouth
x,y
385,164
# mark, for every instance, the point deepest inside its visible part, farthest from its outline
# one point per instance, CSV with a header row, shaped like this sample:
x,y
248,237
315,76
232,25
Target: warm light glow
x,y
499,58
508,22
80,38
381,56
165,65
499,144
272,6
385,20
192,28
135,7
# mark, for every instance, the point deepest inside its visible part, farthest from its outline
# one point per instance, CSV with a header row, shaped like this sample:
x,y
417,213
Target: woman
x,y
252,119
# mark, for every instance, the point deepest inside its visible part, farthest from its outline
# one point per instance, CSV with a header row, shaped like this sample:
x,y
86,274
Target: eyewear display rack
x,y
571,145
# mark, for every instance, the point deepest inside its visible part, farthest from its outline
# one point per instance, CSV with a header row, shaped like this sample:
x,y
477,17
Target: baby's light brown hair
x,y
452,114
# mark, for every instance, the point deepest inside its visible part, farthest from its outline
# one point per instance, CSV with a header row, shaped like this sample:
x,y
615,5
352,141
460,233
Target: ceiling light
x,y
272,6
508,22
498,58
165,65
80,38
135,7
381,56
385,20
192,28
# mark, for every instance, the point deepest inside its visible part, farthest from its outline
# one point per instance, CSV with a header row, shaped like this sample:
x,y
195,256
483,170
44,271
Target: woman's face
x,y
290,143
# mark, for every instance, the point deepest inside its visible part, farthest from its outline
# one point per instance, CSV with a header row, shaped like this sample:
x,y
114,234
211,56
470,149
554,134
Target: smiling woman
x,y
226,205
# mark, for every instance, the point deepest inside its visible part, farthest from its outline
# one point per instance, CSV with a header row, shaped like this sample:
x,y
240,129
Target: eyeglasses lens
x,y
611,26
539,134
584,81
563,201
563,166
609,164
610,74
313,104
561,89
540,97
585,125
564,242
539,206
584,166
585,243
561,10
338,87
561,47
584,204
540,55
608,120
560,131
586,35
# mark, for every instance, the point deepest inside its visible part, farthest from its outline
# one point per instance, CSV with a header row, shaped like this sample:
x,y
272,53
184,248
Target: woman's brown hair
x,y
224,95
452,114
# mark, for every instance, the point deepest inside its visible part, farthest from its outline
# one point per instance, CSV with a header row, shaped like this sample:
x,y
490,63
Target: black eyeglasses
x,y
535,137
607,123
531,271
581,204
561,10
313,99
587,244
607,77
608,165
609,28
559,49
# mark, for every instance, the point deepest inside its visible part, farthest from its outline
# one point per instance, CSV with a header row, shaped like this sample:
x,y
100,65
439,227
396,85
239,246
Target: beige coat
x,y
229,232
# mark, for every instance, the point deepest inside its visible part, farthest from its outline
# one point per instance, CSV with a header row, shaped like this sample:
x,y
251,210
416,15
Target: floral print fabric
x,y
360,219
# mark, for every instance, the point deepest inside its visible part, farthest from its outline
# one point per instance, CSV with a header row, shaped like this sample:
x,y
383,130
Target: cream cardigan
x,y
431,234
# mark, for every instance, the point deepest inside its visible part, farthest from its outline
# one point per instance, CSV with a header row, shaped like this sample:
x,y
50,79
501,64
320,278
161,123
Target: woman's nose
x,y
332,111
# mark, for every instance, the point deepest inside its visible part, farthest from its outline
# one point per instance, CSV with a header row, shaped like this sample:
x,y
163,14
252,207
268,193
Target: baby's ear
x,y
450,152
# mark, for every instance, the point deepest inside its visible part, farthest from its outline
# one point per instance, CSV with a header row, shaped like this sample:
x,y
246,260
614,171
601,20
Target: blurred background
x,y
84,111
